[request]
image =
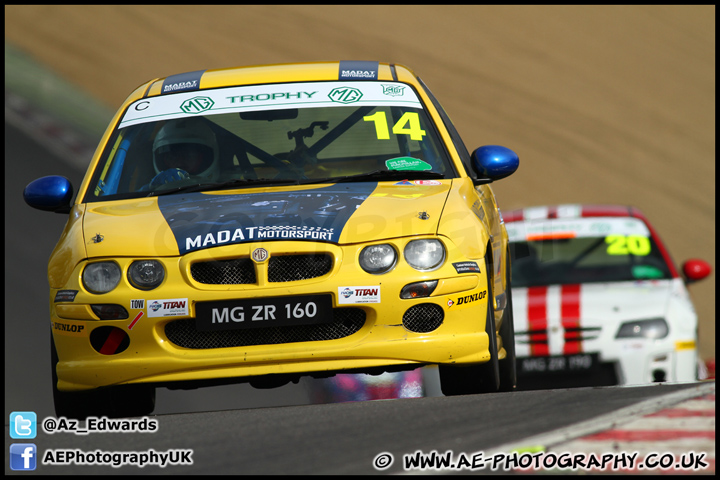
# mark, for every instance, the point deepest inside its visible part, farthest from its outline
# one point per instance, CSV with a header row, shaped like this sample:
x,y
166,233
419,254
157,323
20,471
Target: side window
x,y
107,177
125,167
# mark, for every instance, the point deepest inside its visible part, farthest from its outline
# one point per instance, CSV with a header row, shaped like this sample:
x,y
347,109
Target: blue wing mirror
x,y
493,162
52,194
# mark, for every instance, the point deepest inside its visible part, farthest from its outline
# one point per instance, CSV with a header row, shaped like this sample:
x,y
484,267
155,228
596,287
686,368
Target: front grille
x,y
346,321
224,272
423,318
290,268
283,268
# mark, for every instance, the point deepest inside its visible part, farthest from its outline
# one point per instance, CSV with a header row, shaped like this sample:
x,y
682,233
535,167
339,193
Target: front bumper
x,y
667,360
148,349
623,362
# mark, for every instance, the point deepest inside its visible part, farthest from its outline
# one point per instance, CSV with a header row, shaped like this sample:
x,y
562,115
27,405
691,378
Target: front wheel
x,y
483,378
113,402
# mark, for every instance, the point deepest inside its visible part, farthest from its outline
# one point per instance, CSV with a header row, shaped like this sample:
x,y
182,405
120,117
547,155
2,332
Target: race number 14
x,y
409,124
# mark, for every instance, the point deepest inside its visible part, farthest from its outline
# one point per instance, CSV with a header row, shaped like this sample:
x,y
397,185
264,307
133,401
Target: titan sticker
x,y
172,307
354,295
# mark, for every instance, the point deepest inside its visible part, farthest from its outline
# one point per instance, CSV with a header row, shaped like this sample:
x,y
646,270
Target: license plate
x,y
581,362
263,312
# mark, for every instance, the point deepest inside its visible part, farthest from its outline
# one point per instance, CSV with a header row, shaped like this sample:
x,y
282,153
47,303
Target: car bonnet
x,y
339,213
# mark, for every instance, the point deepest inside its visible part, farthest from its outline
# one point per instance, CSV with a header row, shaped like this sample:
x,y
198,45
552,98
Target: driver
x,y
183,149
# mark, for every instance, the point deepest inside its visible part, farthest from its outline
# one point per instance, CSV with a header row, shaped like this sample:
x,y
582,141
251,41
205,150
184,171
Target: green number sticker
x,y
628,245
407,163
646,272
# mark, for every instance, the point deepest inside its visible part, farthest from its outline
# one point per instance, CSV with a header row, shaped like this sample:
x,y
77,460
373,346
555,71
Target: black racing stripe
x,y
394,73
200,221
147,91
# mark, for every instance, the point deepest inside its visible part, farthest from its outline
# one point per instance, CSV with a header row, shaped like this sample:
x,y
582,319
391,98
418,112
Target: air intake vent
x,y
291,268
224,272
423,318
282,268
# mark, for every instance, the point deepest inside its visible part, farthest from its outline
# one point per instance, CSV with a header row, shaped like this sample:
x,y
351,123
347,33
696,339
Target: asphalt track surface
x,y
237,429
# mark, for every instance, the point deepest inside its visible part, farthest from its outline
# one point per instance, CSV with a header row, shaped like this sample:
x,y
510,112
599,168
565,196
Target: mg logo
x,y
260,255
197,105
345,95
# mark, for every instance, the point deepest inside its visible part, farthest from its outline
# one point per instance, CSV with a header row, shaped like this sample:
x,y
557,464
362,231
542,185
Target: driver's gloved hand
x,y
168,176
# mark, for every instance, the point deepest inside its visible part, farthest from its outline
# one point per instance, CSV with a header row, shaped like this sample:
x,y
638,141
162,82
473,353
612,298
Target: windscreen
x,y
283,132
583,250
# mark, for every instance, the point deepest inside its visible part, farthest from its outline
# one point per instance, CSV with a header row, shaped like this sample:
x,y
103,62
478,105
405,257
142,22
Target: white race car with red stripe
x,y
597,299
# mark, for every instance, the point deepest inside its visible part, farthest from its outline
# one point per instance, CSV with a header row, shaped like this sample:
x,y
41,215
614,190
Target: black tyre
x,y
508,366
112,402
483,378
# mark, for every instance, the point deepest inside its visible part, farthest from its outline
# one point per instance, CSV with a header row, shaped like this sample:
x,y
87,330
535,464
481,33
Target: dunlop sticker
x,y
461,301
75,329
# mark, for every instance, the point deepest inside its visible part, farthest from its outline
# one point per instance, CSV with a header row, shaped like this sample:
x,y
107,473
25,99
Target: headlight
x,y
378,258
101,277
425,255
146,274
651,329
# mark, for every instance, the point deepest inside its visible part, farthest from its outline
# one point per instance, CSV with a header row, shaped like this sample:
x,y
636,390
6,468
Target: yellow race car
x,y
259,224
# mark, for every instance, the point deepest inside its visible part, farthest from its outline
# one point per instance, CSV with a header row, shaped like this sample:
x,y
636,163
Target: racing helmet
x,y
188,144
